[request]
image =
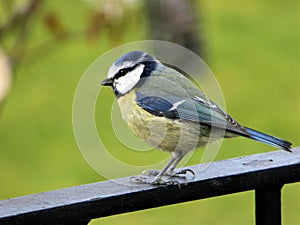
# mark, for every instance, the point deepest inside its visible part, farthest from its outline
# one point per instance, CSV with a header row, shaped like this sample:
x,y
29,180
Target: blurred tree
x,y
110,15
169,20
5,76
175,21
15,24
17,18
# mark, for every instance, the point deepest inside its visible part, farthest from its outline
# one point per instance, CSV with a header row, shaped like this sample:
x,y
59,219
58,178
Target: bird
x,y
169,112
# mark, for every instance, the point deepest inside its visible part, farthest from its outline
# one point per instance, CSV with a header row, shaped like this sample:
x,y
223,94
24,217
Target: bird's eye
x,y
122,72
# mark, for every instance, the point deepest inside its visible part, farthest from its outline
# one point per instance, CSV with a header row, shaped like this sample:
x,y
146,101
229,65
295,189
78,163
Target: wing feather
x,y
179,98
192,109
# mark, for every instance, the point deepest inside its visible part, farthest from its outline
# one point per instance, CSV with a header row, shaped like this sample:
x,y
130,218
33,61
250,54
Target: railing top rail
x,y
80,204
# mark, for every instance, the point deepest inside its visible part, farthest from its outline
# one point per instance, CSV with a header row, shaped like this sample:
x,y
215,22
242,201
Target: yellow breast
x,y
161,132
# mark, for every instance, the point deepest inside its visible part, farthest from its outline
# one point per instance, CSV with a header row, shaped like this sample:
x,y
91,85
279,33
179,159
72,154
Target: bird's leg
x,y
168,170
173,173
158,175
159,172
165,169
173,166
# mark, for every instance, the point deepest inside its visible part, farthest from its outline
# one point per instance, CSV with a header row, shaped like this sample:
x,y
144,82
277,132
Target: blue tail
x,y
268,139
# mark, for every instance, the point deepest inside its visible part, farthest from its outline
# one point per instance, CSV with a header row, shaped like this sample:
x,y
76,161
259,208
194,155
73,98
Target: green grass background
x,y
253,49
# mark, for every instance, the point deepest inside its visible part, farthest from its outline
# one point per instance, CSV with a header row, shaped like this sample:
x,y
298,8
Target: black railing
x,y
265,173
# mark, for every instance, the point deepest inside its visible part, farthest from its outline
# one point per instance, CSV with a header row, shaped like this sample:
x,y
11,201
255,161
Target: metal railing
x,y
265,173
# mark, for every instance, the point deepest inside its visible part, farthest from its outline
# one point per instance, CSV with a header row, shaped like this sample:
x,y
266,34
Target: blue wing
x,y
204,112
192,109
156,106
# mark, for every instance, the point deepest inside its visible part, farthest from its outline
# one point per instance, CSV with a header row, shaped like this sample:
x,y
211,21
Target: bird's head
x,y
127,71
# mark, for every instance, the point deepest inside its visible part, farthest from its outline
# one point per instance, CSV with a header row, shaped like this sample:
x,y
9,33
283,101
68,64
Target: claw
x,y
183,172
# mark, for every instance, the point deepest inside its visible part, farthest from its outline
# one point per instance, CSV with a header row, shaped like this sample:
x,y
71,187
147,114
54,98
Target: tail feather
x,y
268,139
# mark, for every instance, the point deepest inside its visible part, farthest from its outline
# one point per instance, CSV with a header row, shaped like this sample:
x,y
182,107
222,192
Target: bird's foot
x,y
154,181
169,178
169,173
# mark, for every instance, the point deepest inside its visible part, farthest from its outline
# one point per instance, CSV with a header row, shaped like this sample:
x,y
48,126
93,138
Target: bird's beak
x,y
107,82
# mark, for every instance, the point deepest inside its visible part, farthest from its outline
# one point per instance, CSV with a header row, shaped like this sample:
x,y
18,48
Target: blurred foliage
x,y
253,50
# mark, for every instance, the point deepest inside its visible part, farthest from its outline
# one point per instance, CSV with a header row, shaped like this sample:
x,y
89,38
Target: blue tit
x,y
170,112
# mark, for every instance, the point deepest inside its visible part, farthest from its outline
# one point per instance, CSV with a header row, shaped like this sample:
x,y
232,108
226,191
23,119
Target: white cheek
x,y
126,83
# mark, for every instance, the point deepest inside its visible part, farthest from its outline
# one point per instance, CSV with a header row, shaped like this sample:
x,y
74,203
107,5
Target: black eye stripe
x,y
122,72
149,66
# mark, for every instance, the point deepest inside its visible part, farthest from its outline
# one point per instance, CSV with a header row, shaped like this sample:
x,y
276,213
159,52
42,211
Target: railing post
x,y
268,206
